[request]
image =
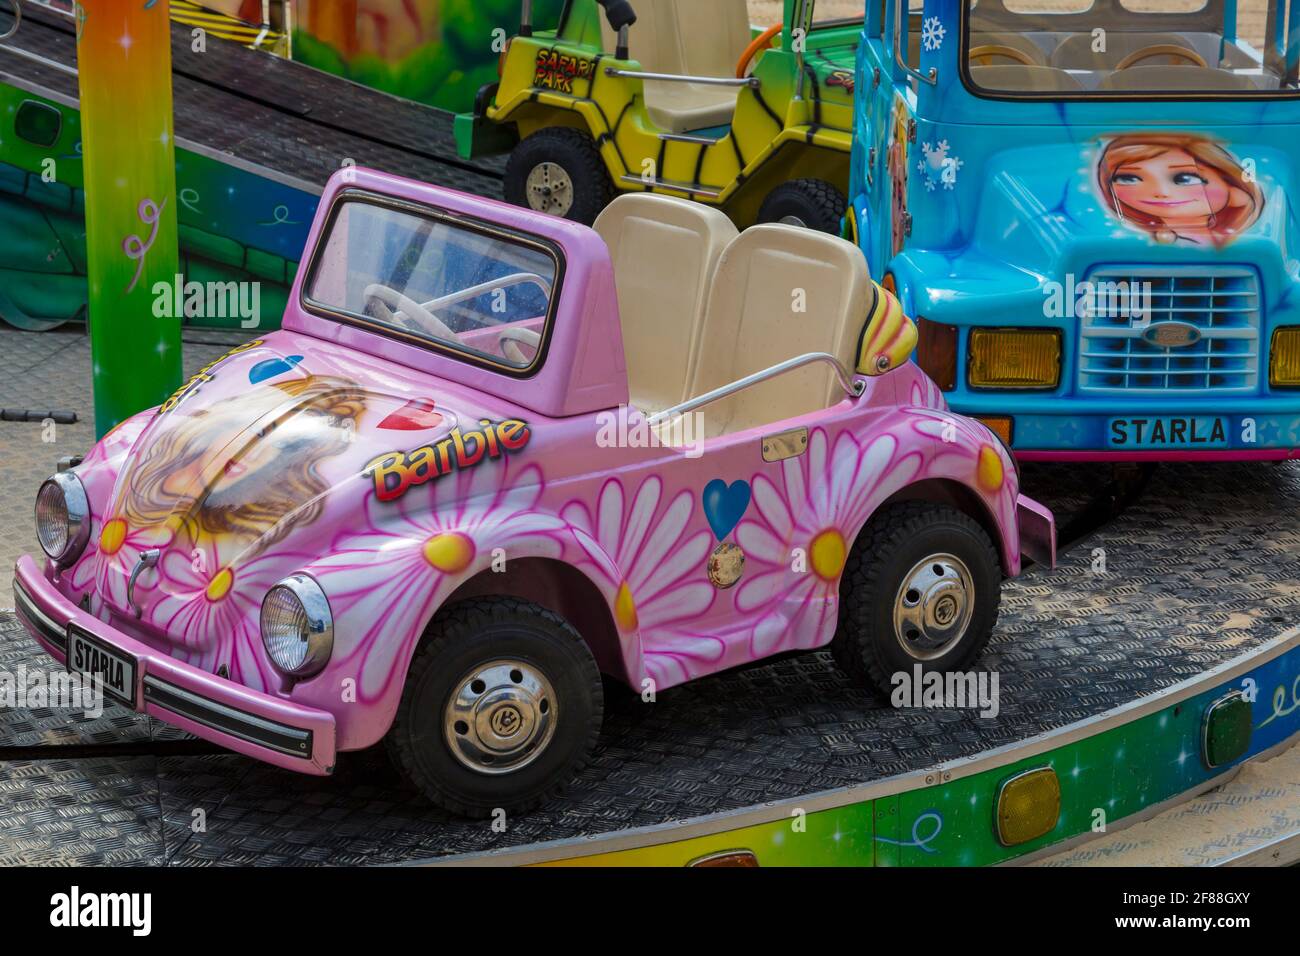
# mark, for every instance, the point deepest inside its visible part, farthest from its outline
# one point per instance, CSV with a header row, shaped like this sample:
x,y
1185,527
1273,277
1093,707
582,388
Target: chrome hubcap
x,y
550,189
793,221
933,606
500,717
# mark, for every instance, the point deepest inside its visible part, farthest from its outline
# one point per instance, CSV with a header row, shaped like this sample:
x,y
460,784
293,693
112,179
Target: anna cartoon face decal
x,y
1178,188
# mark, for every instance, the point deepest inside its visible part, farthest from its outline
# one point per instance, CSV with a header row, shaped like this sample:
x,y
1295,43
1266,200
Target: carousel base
x,y
1108,668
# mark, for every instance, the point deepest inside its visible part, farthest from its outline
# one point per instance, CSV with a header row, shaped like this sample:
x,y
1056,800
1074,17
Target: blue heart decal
x,y
725,505
272,367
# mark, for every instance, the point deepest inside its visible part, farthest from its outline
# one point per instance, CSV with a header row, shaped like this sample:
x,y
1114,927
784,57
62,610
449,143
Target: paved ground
x,y
51,371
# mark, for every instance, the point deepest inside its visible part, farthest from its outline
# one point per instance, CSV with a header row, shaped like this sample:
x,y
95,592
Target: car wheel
x,y
921,587
810,203
559,171
501,709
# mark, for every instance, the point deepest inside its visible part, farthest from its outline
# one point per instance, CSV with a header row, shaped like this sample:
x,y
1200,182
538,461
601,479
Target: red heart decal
x,y
416,415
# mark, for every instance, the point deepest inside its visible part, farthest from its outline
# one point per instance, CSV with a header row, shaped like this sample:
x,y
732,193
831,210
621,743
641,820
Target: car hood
x,y
250,470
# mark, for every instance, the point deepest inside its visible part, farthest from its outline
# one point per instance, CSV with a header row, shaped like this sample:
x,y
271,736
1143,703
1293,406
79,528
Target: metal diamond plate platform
x,y
1202,568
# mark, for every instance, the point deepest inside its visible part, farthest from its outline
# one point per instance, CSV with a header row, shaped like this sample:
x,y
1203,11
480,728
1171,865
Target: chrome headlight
x,y
63,518
297,626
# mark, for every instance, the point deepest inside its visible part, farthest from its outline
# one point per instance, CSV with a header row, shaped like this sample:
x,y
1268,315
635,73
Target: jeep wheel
x,y
922,586
501,709
810,203
559,171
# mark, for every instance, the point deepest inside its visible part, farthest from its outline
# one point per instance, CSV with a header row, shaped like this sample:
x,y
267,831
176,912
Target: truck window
x,y
1079,48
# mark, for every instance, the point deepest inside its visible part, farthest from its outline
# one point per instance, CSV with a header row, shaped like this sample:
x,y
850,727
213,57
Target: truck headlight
x,y
63,518
297,626
1284,361
1015,358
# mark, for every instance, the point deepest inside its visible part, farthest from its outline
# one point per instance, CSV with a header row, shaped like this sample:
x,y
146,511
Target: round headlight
x,y
297,627
63,518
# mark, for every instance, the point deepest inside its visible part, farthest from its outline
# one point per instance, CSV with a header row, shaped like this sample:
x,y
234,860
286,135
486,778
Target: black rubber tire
x,y
816,204
574,152
891,544
458,638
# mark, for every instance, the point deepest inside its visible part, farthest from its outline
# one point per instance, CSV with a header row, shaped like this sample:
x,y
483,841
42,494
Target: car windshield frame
x,y
966,7
454,220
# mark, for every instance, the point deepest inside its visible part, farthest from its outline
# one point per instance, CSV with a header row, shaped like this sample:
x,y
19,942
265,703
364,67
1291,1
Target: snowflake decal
x,y
932,34
939,166
935,155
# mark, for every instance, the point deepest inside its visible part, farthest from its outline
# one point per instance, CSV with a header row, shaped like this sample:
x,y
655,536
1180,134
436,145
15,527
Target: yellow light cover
x,y
1015,358
999,425
1028,806
1284,366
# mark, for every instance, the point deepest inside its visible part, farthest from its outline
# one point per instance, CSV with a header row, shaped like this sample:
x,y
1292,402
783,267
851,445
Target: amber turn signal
x,y
741,858
1000,425
1028,806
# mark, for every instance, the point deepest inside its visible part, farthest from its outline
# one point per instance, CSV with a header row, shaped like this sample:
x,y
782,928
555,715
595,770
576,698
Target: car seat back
x,y
665,252
780,292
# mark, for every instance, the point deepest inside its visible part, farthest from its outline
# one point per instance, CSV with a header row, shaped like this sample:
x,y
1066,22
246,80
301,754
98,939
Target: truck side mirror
x,y
889,337
620,15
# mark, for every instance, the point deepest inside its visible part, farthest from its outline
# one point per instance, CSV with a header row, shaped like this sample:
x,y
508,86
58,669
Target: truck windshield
x,y
1187,48
470,289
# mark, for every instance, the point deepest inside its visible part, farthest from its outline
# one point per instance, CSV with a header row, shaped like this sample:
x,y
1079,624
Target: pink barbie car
x,y
493,455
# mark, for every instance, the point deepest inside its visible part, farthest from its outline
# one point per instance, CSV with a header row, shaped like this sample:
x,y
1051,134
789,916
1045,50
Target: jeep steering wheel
x,y
1161,49
988,51
511,338
763,41
406,311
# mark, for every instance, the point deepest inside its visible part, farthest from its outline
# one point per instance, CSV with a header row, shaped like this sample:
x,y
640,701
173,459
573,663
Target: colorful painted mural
x,y
437,52
233,226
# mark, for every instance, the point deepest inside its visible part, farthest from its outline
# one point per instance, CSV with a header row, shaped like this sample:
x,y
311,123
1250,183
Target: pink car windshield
x,y
470,288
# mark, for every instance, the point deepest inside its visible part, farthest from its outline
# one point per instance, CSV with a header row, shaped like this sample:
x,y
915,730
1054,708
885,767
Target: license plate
x,y
89,655
1168,431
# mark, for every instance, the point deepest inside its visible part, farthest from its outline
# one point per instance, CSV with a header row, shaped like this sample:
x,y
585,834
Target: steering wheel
x,y
510,340
761,42
406,311
1161,49
983,55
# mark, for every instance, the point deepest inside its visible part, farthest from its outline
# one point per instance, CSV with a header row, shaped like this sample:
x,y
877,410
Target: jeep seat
x,y
752,324
687,38
664,252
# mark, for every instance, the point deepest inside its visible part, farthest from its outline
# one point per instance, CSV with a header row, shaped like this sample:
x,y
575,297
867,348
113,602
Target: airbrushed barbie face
x,y
1171,187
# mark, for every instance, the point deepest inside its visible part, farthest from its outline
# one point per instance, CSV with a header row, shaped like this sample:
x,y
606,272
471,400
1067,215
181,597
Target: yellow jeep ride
x,y
676,97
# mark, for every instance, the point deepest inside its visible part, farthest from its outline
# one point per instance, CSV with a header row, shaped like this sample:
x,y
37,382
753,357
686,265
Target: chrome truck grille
x,y
1210,315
